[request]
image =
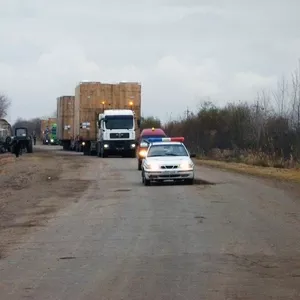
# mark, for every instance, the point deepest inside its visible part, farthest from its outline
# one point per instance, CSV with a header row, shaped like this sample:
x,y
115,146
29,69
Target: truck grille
x,y
119,135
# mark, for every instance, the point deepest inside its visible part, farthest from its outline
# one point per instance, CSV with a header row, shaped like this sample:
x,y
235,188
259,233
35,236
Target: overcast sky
x,y
182,51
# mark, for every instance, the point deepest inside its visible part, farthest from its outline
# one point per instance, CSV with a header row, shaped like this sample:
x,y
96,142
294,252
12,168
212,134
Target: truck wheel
x,y
29,148
86,150
103,153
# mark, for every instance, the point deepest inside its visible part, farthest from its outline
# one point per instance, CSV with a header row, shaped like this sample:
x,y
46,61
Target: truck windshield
x,y
119,122
21,132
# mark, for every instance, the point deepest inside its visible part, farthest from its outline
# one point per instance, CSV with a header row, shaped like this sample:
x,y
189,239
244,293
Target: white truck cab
x,y
116,133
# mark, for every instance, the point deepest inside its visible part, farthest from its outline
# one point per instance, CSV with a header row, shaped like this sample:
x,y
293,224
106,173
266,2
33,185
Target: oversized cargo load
x,y
65,120
92,98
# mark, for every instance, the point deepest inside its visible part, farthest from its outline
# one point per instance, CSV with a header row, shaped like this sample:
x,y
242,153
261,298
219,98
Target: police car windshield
x,y
167,150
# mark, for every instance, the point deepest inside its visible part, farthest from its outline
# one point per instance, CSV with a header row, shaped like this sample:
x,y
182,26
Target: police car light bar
x,y
169,139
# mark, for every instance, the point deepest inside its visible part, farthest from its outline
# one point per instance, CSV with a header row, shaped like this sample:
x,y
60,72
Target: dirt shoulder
x,y
32,191
287,175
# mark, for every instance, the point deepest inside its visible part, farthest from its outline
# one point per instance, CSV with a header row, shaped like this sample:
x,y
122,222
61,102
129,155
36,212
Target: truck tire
x,y
29,148
103,153
98,153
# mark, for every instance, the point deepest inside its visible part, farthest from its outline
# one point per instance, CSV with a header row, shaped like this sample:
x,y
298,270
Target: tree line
x,y
265,133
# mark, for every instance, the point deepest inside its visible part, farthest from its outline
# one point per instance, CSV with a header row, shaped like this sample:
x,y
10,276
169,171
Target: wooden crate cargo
x,y
65,117
91,98
52,121
130,98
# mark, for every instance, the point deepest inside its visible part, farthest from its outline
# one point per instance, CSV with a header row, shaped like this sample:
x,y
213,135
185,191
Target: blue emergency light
x,y
168,139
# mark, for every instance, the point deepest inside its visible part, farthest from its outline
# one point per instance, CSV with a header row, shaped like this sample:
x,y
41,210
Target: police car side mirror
x,y
192,155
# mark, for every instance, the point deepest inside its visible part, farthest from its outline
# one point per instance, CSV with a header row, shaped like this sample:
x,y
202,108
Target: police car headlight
x,y
153,167
186,165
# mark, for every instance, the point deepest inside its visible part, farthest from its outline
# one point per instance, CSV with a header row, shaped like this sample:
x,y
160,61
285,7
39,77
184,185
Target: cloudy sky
x,y
182,51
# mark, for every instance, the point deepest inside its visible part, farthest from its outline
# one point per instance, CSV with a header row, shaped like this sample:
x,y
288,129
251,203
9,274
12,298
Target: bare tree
x,y
281,97
295,113
4,105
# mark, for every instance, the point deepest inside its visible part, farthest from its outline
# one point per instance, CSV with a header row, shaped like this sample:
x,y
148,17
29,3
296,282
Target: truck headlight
x,y
186,165
105,146
142,153
83,143
132,145
52,140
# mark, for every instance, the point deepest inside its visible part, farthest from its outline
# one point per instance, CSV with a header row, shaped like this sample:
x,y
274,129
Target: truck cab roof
x,y
115,112
152,132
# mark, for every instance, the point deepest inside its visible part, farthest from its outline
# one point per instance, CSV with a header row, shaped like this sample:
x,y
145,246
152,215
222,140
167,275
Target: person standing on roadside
x,y
34,138
17,148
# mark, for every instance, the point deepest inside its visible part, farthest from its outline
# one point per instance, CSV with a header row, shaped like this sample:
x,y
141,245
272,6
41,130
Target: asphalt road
x,y
237,239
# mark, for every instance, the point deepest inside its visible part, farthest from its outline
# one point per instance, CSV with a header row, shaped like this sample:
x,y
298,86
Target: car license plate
x,y
170,173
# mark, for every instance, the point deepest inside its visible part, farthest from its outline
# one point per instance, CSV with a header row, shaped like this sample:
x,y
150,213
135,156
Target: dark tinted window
x,y
21,132
119,122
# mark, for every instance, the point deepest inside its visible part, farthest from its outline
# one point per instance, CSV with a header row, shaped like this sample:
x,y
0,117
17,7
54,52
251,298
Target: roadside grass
x,y
256,166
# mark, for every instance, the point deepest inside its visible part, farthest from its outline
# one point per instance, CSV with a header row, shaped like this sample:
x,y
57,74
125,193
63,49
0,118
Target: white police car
x,y
167,159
